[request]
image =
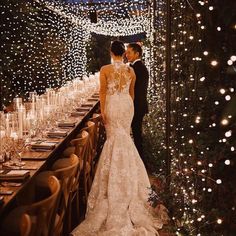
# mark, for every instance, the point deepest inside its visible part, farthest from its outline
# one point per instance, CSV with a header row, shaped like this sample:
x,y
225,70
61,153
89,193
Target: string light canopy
x,y
66,24
114,18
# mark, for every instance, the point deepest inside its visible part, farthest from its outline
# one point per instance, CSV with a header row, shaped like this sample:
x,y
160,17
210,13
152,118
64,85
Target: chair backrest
x,y
41,212
80,144
101,133
66,170
91,129
96,118
25,225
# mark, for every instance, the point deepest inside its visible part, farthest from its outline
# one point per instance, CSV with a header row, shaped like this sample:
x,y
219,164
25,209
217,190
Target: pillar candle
x,y
7,125
20,121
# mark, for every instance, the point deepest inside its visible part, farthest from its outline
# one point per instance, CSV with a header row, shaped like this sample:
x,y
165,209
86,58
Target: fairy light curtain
x,y
43,43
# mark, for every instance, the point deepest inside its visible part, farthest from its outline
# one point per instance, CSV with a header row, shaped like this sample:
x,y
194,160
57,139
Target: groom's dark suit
x,y
140,104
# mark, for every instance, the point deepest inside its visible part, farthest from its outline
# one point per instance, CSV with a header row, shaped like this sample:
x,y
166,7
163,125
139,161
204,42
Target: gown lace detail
x,y
118,200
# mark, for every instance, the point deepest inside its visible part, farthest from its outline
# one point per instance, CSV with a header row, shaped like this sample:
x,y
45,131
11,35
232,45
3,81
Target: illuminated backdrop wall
x,y
43,43
203,116
39,49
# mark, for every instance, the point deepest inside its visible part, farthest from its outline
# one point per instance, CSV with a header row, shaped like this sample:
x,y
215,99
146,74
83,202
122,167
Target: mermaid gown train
x,y
118,201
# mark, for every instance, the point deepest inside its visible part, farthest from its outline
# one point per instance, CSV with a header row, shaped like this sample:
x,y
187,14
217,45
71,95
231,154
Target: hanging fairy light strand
x,y
54,34
203,117
116,26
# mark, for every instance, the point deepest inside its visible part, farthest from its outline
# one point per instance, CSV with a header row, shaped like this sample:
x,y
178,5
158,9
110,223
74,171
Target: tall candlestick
x,y
48,92
7,125
21,111
33,100
17,103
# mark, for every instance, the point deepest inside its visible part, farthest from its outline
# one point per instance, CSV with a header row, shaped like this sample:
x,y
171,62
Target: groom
x,y
134,54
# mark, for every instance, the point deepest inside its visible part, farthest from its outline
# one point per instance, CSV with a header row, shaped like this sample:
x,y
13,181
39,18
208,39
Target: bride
x,y
118,201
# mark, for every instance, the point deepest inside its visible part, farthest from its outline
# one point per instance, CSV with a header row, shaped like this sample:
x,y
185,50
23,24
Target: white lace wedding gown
x,y
118,201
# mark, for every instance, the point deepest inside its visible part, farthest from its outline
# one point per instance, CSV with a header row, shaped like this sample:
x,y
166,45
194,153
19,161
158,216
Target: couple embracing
x,y
118,200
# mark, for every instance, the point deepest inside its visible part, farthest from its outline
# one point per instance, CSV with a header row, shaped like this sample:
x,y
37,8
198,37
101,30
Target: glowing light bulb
x,y
224,122
219,221
214,63
194,201
228,133
233,58
227,162
222,91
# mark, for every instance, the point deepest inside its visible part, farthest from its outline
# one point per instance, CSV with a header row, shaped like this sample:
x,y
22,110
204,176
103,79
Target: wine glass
x,y
19,145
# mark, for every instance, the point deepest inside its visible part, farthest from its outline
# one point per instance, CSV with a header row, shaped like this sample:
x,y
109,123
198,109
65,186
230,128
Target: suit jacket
x,y
140,89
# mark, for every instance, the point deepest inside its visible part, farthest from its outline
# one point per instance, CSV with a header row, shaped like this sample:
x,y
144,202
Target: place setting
x,y
33,130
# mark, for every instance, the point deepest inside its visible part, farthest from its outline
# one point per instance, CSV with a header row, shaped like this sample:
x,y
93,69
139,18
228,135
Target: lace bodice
x,y
119,81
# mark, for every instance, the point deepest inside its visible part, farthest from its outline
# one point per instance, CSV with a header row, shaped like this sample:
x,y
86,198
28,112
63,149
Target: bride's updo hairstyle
x,y
118,48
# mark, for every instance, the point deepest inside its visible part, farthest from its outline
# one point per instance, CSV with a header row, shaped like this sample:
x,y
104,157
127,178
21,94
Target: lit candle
x,y
53,97
17,103
33,100
21,112
47,110
48,92
28,121
42,108
14,135
7,125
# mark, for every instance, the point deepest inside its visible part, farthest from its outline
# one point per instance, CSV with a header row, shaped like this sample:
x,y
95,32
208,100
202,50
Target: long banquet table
x,y
38,161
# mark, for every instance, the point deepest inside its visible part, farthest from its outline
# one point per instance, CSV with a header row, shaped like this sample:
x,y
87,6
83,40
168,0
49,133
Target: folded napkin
x,y
77,113
96,95
43,146
66,124
93,99
87,105
14,174
11,166
57,134
83,109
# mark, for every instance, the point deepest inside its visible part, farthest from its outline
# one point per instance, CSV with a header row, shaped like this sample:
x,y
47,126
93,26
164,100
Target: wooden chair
x,y
80,144
88,158
66,170
40,212
97,119
25,225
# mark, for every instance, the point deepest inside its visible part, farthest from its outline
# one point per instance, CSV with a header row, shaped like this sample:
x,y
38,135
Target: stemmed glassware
x,y
20,127
19,145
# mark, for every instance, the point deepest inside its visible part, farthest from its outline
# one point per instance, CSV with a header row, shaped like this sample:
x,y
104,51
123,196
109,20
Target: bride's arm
x,y
103,89
131,88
